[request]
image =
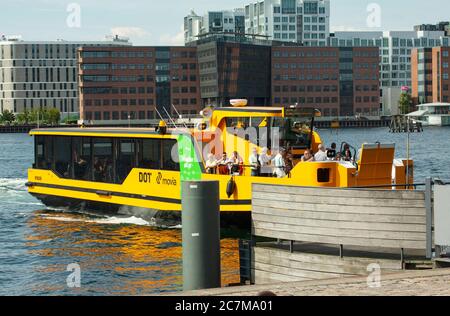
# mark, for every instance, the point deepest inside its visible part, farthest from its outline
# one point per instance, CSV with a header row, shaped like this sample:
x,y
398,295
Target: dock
x,y
404,283
346,241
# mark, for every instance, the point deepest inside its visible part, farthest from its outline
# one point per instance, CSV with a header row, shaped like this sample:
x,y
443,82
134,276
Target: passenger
x,y
346,152
99,170
254,163
211,164
321,155
289,162
223,164
308,156
347,155
265,160
235,163
331,152
279,164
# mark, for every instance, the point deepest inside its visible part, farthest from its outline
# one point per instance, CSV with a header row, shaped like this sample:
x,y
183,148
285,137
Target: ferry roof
x,y
438,104
254,109
107,132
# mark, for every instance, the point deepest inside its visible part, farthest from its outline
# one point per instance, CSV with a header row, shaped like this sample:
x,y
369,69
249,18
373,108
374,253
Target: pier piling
x,y
201,235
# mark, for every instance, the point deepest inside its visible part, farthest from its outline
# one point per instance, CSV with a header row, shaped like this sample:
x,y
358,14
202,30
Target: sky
x,y
160,22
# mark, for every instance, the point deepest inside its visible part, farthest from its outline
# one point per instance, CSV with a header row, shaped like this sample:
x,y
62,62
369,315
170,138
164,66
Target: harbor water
x,y
127,255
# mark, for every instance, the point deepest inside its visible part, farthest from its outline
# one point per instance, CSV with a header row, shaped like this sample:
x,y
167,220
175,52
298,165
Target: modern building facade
x,y
338,81
135,83
38,75
431,82
234,69
441,26
213,22
395,56
301,21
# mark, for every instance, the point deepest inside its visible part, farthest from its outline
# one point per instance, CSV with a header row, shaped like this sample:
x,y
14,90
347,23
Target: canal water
x,y
129,256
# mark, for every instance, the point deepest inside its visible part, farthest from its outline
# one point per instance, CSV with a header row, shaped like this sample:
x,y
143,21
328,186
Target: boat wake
x,y
10,184
102,221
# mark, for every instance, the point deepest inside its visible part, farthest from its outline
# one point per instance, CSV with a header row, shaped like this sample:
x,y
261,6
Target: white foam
x,y
10,184
108,221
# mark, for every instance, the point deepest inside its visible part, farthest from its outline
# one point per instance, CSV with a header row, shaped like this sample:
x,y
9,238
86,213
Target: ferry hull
x,y
160,218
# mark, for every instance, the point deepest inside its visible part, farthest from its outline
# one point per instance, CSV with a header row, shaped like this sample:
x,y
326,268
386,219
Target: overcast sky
x,y
159,22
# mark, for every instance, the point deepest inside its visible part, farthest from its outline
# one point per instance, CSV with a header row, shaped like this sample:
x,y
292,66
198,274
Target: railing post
x,y
429,217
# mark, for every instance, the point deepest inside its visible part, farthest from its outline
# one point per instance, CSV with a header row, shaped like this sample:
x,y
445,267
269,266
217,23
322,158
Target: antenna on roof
x,y
178,113
170,118
160,116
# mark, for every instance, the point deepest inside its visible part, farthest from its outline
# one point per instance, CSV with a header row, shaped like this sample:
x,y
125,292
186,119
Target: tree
x,y
24,118
404,103
7,117
53,116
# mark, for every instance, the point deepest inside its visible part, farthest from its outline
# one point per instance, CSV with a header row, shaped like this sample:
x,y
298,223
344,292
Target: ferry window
x,y
103,168
170,155
126,160
149,153
81,158
44,152
238,122
63,150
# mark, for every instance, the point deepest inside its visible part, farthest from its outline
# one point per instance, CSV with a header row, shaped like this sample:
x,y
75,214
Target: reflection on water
x,y
120,259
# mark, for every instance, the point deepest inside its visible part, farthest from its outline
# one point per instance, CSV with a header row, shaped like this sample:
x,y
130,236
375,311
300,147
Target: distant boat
x,y
432,114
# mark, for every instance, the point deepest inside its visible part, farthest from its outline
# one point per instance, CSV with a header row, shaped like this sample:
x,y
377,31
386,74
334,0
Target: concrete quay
x,y
434,282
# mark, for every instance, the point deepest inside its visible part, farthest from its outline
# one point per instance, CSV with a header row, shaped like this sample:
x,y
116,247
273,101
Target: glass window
x,y
63,150
43,152
126,159
170,155
81,158
103,164
149,154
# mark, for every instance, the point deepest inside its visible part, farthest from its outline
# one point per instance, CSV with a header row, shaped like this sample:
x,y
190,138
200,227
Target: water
x,y
128,256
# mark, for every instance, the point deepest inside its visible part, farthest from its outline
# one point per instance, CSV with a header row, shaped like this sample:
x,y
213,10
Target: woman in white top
x,y
280,165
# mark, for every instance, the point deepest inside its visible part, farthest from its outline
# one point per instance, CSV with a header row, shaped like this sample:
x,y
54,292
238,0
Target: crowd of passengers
x,y
266,165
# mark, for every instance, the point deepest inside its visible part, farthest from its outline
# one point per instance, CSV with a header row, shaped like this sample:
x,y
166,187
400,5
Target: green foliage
x,y
404,103
24,118
7,117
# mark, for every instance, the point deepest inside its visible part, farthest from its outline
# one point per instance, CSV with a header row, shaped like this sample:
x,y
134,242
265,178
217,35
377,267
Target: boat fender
x,y
231,186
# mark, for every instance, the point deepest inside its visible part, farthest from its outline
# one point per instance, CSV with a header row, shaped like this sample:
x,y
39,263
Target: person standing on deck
x,y
279,163
254,163
265,160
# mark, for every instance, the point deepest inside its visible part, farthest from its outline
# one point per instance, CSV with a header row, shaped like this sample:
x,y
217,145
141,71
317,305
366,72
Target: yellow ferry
x,y
139,170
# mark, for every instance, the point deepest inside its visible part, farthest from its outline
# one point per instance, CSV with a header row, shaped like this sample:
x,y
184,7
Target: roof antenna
x,y
160,116
178,113
170,118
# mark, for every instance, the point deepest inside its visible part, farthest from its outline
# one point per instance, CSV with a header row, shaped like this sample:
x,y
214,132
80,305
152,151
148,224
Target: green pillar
x,y
201,235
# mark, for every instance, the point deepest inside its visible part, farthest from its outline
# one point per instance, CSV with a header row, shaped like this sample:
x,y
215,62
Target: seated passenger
x,y
223,164
211,164
331,152
321,155
289,162
235,163
308,156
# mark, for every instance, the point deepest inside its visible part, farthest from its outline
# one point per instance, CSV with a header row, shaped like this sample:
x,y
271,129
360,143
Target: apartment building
x,y
135,83
338,81
301,21
38,75
213,22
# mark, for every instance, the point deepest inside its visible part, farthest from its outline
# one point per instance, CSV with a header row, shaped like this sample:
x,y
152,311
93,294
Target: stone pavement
x,y
407,283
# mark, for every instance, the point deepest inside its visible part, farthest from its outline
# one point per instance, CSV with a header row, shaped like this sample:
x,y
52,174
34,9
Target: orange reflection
x,y
131,259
